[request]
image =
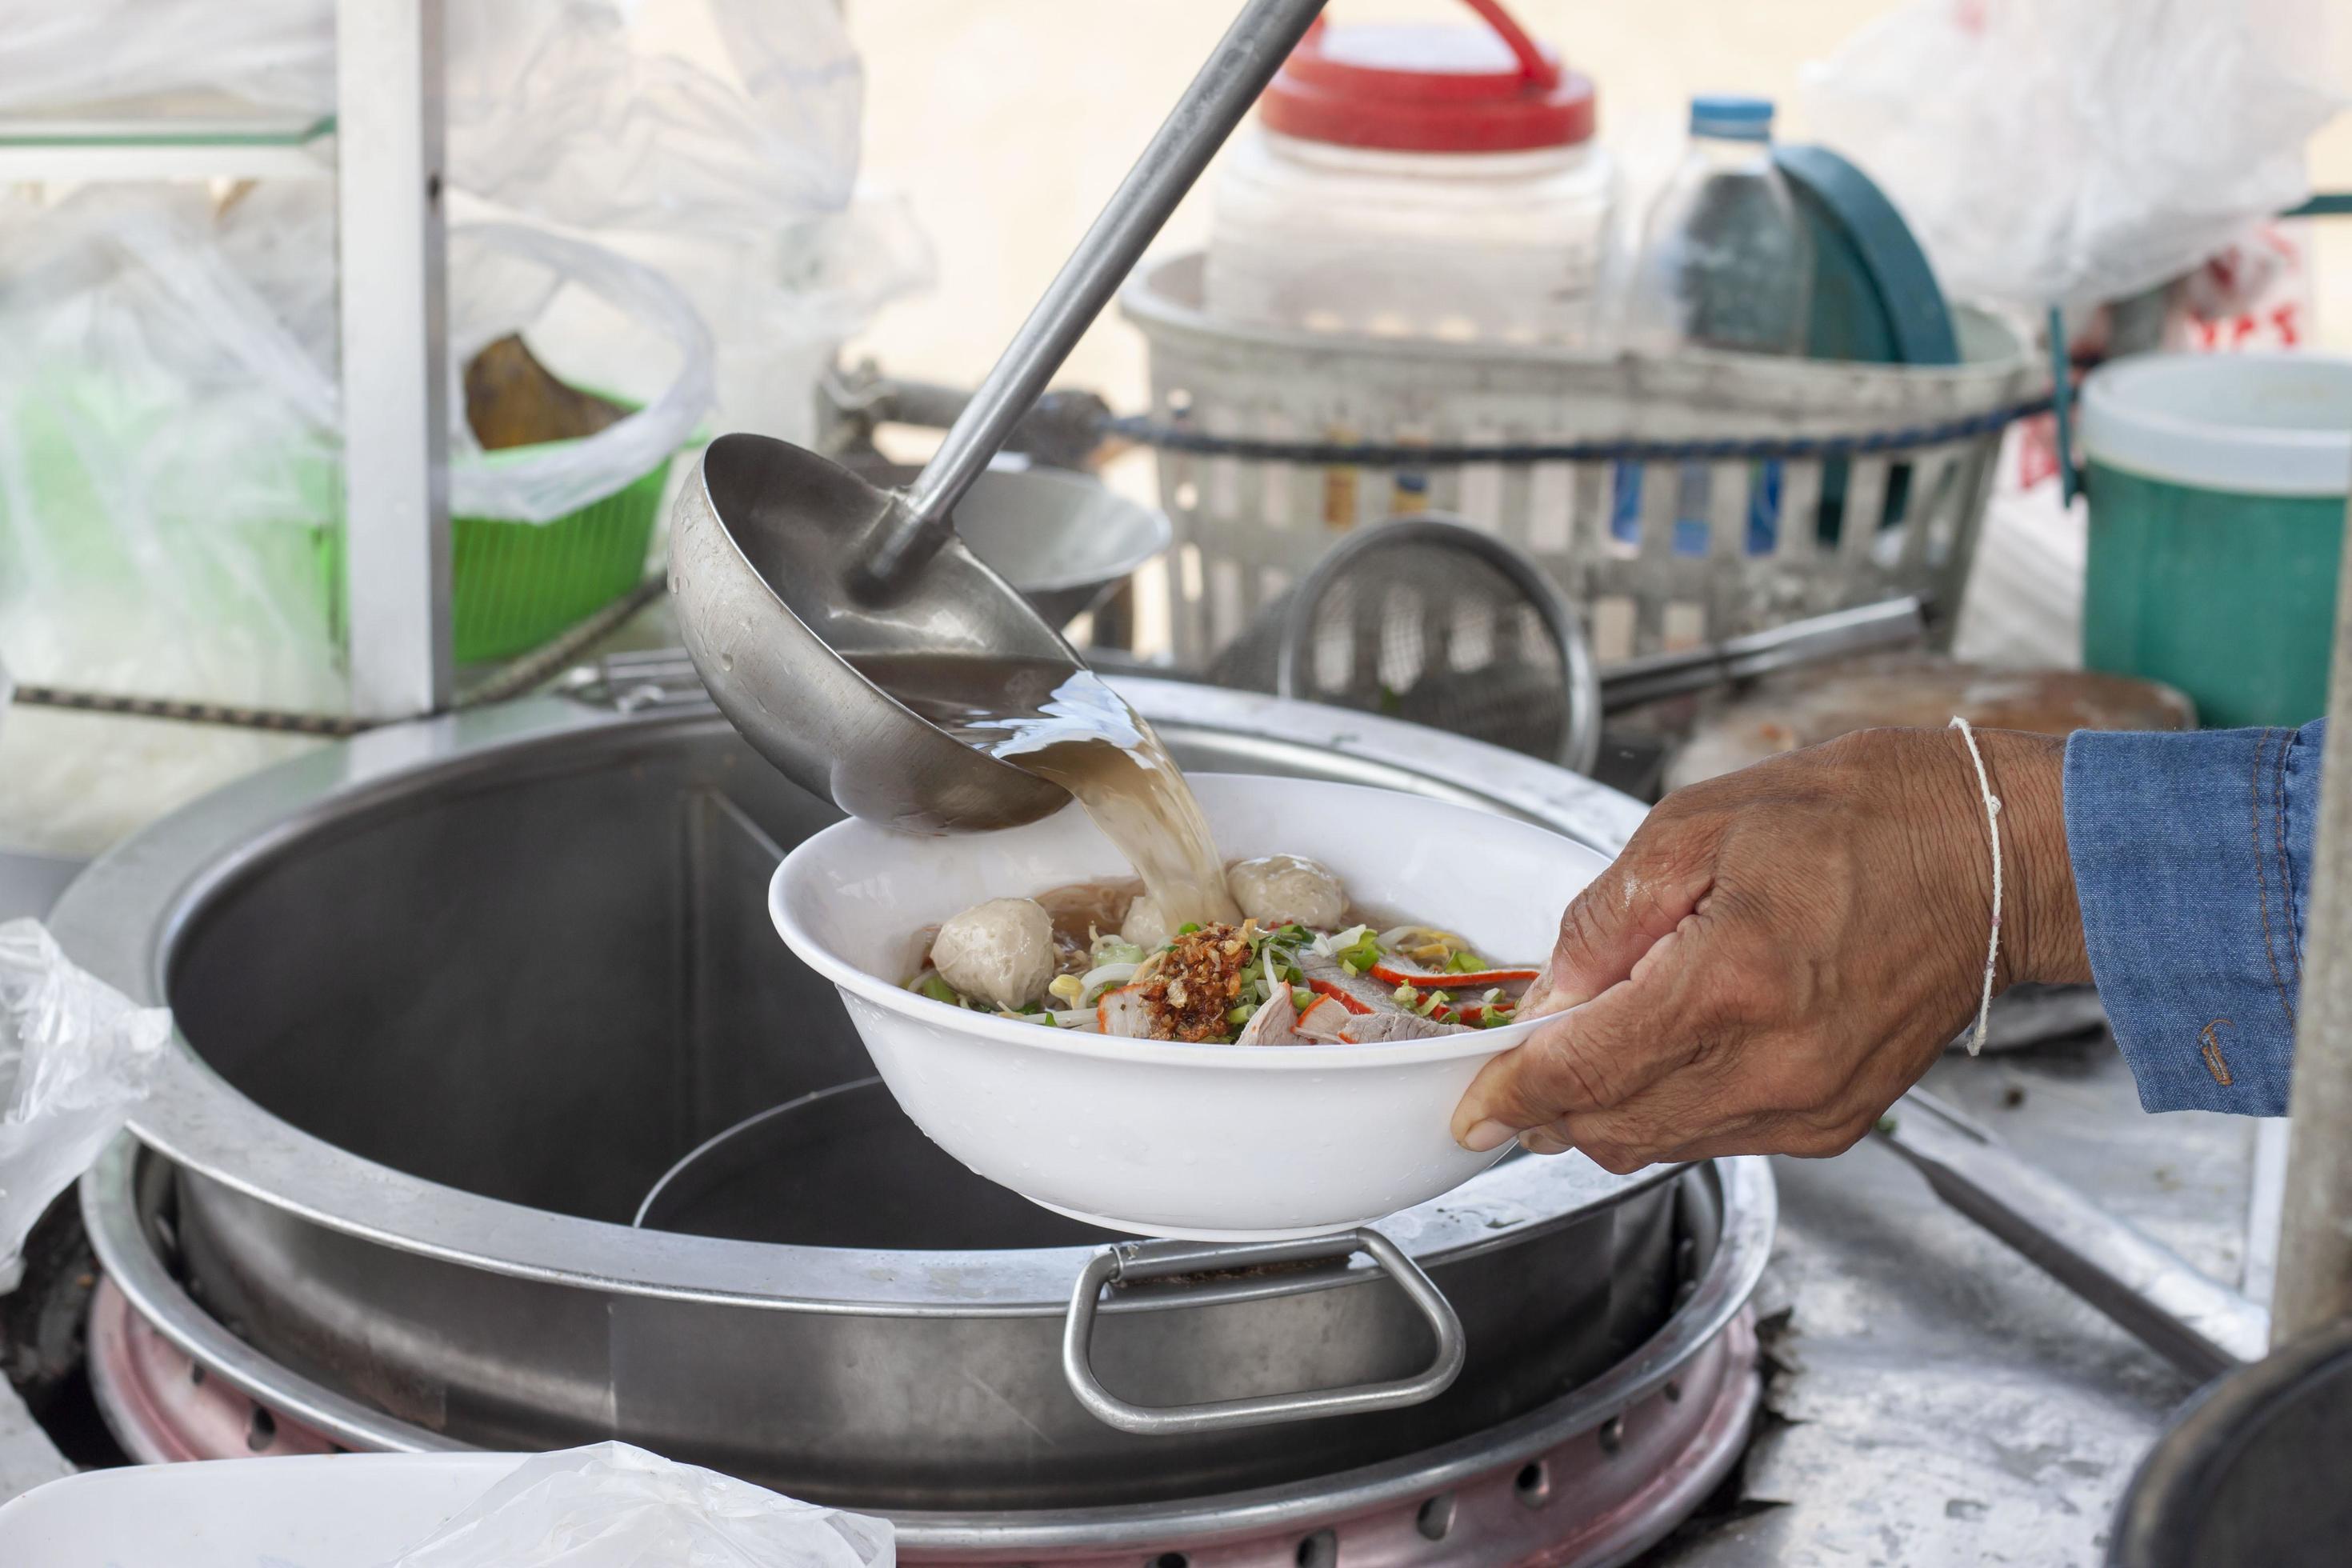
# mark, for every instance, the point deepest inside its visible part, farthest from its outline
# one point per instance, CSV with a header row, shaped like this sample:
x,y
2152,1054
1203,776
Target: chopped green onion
x,y
1301,997
1110,950
1406,995
939,990
1188,928
1240,1014
1465,963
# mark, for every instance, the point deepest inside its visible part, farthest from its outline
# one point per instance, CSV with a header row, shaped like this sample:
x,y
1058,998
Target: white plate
x,y
1207,1142
326,1510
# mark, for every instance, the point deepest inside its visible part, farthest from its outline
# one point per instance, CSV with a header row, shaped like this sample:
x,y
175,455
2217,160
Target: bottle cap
x,y
1728,117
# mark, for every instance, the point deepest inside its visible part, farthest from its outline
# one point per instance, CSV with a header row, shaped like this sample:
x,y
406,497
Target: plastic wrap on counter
x,y
614,1506
75,1056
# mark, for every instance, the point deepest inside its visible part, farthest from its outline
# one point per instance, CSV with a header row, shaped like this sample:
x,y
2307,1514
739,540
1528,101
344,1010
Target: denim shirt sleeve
x,y
2193,857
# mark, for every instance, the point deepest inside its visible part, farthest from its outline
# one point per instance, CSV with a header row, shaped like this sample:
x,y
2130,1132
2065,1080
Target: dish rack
x,y
1677,501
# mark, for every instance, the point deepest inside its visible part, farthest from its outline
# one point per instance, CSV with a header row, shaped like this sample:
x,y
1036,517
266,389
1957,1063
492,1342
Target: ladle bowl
x,y
786,566
761,557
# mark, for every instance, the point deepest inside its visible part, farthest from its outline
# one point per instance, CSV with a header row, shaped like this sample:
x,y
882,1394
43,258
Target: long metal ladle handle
x,y
1253,49
2196,1323
1139,1261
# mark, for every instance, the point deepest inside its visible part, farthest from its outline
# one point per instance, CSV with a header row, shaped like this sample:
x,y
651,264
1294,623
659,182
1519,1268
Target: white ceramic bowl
x,y
1210,1142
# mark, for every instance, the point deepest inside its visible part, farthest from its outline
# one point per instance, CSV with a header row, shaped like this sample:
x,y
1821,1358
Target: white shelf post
x,y
394,349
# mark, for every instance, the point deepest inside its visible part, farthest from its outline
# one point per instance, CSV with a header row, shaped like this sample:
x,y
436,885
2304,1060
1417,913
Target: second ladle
x,y
786,567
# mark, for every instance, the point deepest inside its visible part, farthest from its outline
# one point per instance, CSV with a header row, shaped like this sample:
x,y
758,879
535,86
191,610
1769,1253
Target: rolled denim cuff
x,y
2192,857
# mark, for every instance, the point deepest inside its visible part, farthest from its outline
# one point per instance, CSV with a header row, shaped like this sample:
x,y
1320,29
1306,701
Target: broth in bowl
x,y
1267,950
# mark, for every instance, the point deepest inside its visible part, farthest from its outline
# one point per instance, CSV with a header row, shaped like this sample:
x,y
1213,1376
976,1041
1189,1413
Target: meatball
x,y
1288,889
1145,926
1002,951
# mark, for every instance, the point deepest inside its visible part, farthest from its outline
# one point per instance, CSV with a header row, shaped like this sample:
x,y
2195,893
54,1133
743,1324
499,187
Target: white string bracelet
x,y
1992,822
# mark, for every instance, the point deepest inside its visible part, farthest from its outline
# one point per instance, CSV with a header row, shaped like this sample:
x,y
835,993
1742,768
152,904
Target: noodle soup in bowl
x,y
1159,1137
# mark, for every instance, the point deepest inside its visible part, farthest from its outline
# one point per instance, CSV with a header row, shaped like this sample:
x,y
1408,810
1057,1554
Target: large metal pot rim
x,y
123,918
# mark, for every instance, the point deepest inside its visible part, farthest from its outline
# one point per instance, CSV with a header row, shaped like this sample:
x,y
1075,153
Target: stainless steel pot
x,y
454,996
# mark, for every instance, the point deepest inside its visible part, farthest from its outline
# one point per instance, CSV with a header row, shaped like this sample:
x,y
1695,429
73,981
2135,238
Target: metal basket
x,y
1675,502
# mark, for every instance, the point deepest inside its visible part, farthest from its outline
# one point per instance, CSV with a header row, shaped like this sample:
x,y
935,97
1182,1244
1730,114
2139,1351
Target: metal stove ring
x,y
1709,1332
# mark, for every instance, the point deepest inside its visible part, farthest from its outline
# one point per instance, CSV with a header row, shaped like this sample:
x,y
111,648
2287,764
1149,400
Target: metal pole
x,y
396,390
2315,1270
1245,59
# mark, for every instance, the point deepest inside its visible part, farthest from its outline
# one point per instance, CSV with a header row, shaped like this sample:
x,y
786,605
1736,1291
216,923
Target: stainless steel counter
x,y
1936,1399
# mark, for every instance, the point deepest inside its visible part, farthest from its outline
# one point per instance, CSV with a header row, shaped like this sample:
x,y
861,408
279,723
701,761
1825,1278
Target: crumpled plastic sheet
x,y
557,109
615,1506
2075,152
75,1056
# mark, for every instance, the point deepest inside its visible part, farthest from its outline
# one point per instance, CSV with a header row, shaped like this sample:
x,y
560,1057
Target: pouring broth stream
x,y
1065,726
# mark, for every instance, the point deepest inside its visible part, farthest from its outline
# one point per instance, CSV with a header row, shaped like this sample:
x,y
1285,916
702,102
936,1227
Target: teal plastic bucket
x,y
2218,488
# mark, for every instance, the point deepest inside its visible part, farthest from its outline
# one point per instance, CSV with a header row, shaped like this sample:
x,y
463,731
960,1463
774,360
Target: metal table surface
x,y
1934,1399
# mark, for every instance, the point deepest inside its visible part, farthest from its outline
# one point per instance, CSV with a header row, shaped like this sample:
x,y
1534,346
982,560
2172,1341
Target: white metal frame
x,y
394,354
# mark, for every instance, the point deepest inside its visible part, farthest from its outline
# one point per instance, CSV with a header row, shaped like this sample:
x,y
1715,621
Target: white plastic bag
x,y
493,292
558,111
556,108
2078,150
167,461
277,53
75,1057
614,1506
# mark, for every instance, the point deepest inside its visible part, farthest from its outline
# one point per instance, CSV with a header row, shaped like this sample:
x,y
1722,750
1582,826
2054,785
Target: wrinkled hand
x,y
1778,954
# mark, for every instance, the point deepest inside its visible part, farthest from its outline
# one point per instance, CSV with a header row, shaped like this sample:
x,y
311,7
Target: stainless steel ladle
x,y
786,566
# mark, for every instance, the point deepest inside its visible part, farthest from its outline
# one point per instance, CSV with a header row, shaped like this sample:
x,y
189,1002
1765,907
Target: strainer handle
x,y
1581,747
1138,1260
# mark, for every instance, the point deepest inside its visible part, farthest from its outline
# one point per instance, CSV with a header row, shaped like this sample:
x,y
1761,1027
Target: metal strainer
x,y
1432,621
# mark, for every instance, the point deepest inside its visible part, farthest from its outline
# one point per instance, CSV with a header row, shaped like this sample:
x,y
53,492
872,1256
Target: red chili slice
x,y
1430,978
1339,994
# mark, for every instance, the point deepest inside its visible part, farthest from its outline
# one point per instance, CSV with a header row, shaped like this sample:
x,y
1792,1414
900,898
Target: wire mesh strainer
x,y
1430,620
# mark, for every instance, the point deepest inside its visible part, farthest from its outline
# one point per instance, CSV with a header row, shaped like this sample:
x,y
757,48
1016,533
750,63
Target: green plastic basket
x,y
514,585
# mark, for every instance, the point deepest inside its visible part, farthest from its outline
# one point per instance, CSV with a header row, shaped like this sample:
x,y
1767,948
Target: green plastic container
x,y
514,585
2217,485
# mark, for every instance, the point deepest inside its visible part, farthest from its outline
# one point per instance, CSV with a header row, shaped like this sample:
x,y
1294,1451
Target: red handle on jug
x,y
1544,73
1540,70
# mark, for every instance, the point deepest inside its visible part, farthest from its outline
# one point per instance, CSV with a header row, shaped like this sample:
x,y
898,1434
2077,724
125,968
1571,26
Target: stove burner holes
x,y
1320,1549
1169,1559
1533,1483
261,1431
1612,1435
1436,1518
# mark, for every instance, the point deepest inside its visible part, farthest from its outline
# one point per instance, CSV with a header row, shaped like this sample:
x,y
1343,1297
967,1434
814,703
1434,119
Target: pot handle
x,y
1138,1260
